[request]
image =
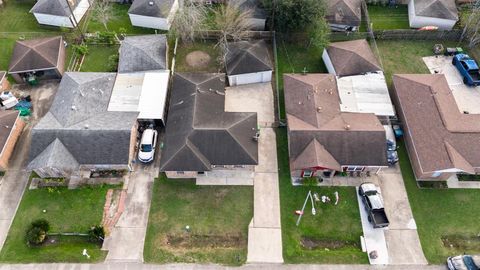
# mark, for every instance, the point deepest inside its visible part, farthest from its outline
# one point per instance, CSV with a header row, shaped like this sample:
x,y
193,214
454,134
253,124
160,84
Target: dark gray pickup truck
x,y
373,205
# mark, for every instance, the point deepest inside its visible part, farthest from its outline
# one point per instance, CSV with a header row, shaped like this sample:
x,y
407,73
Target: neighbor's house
x,y
201,138
62,13
248,62
323,139
440,13
11,126
79,133
156,14
4,84
348,58
143,53
344,13
43,58
258,14
441,140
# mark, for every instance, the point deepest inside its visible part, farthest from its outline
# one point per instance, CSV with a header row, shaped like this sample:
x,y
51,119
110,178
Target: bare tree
x,y
233,24
471,29
190,18
102,12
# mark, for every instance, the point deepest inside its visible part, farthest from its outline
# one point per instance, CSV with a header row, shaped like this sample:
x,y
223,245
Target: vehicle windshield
x,y
146,148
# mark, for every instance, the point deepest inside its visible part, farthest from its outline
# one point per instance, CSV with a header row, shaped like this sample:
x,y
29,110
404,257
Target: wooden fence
x,y
412,34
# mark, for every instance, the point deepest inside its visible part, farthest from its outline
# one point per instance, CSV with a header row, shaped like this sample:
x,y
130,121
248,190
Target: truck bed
x,y
380,219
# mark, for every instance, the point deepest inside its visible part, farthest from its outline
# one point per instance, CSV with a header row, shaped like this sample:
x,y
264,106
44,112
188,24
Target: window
x,y
355,168
307,173
201,173
180,172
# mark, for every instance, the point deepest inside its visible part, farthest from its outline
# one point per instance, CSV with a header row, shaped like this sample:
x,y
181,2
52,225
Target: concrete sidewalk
x,y
136,266
126,241
264,232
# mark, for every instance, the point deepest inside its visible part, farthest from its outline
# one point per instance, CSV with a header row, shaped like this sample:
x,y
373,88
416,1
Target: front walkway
x,y
453,182
126,241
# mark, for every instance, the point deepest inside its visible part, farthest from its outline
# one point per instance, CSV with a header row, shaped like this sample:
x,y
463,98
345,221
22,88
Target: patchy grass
x,y
217,215
183,50
67,211
296,58
332,235
119,20
97,59
404,57
446,218
387,18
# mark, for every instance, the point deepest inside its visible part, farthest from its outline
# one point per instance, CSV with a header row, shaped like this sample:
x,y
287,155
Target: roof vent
x,y
74,108
319,109
347,127
86,126
150,3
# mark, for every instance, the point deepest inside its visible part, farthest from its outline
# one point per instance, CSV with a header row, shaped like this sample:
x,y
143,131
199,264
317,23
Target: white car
x,y
146,152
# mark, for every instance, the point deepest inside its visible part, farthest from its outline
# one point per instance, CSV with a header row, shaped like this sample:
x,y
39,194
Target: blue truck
x,y
468,68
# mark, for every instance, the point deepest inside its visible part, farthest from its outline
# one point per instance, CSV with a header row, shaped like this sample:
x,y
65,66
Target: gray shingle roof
x,y
200,133
143,53
159,8
444,9
36,54
79,124
54,7
248,57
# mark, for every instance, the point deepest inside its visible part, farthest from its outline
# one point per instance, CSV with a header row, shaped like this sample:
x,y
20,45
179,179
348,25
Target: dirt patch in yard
x,y
198,59
312,243
462,242
189,241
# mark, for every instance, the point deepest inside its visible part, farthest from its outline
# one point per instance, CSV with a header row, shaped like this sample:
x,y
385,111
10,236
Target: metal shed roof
x,y
141,92
365,94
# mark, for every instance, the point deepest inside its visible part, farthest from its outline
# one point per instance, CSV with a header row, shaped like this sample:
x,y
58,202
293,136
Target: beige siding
x,y
10,144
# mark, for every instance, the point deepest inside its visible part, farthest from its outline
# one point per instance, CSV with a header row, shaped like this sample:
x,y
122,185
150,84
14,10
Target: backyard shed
x,y
61,13
145,93
78,132
248,62
11,126
156,14
348,58
143,53
344,13
440,13
42,58
259,15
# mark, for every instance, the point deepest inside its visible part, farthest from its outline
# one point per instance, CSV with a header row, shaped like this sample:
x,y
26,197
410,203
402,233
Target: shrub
x,y
96,233
36,236
113,62
81,49
42,224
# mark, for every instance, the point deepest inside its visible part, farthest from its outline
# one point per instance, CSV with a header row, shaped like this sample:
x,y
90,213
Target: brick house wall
x,y
10,144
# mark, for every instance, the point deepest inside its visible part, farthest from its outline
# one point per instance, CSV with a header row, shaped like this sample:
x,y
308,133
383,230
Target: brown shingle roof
x,y
313,114
442,136
346,12
36,54
352,57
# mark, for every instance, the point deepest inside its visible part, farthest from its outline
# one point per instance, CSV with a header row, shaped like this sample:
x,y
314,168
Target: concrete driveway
x,y
402,239
13,184
256,97
467,98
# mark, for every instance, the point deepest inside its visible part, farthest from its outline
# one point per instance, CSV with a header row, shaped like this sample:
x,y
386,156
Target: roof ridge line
x,y
241,145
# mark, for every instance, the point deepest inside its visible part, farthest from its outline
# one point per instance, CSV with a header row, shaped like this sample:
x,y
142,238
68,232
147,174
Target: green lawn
x,y
97,60
118,21
183,50
337,229
217,215
67,211
15,17
387,18
296,58
448,214
403,57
